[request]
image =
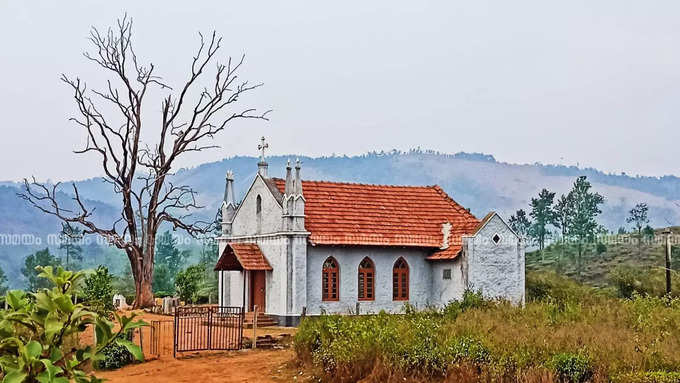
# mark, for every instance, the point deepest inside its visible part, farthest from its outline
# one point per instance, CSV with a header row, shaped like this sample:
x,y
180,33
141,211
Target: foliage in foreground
x,y
566,333
39,333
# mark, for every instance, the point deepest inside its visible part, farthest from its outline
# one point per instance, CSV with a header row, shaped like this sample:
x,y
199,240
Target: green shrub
x,y
39,333
628,281
115,356
98,291
572,367
554,287
187,283
468,349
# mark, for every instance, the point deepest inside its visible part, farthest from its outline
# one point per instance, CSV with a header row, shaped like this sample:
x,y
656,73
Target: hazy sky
x,y
589,82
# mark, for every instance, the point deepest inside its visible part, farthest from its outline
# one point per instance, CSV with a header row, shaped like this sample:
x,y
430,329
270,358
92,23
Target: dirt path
x,y
238,366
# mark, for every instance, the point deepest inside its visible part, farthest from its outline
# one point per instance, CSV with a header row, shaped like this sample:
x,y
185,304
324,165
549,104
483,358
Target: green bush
x,y
556,288
631,280
39,333
98,291
115,356
187,283
572,367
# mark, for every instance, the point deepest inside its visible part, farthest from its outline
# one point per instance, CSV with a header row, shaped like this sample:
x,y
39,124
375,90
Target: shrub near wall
x,y
567,334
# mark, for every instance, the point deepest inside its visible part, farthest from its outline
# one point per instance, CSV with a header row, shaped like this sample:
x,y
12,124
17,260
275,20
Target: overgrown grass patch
x,y
565,333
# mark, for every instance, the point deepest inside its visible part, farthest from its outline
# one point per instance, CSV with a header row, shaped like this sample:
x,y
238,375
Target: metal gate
x,y
200,328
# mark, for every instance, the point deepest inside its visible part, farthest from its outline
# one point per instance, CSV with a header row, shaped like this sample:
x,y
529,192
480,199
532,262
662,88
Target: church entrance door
x,y
257,290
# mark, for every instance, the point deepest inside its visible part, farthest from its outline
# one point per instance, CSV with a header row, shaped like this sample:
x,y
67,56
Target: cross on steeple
x,y
262,147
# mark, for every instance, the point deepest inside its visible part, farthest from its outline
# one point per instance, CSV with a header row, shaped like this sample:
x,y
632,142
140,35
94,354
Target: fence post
x,y
210,313
174,334
255,328
141,339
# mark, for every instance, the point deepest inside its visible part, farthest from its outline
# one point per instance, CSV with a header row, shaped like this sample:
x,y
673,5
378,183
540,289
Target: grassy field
x,y
568,332
599,261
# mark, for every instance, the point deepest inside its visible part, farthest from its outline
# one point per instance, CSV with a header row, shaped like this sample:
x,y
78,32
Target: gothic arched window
x,y
258,213
366,280
330,280
400,280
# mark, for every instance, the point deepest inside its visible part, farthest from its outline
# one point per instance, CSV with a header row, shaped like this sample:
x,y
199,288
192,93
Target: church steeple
x,y
228,204
299,204
262,165
289,181
298,179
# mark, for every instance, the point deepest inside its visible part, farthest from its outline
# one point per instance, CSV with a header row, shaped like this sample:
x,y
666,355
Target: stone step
x,y
263,320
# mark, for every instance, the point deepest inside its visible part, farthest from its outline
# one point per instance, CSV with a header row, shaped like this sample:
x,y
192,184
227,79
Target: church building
x,y
298,247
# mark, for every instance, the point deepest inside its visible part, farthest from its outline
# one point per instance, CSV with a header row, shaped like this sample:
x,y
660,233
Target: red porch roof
x,y
242,256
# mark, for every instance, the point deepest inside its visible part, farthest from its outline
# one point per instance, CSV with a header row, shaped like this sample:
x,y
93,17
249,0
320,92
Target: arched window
x,y
258,213
330,280
366,280
400,280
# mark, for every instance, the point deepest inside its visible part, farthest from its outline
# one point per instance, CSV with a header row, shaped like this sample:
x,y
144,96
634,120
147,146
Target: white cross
x,y
262,147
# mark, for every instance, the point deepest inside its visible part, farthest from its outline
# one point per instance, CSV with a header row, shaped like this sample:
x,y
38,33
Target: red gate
x,y
201,328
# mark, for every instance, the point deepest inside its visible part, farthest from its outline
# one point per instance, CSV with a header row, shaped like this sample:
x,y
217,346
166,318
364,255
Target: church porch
x,y
244,263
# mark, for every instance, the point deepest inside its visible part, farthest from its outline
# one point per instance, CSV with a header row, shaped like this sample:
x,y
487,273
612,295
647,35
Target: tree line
x,y
571,218
176,271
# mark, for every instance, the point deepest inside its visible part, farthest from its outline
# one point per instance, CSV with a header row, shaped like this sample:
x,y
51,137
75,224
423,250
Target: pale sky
x,y
590,82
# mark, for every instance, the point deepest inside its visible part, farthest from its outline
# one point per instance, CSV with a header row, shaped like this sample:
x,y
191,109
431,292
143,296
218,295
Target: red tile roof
x,y
242,256
357,214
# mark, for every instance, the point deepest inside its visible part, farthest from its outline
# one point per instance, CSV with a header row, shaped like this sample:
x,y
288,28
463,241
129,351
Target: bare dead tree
x,y
139,171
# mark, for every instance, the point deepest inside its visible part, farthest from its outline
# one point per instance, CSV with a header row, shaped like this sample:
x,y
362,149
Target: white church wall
x,y
234,281
446,289
245,221
299,274
348,259
497,269
274,249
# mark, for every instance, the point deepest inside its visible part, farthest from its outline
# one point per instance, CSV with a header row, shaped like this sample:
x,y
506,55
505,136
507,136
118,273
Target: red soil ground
x,y
238,366
256,366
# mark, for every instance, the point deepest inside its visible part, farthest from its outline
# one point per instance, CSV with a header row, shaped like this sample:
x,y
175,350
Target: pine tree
x,y
168,254
168,263
39,258
519,222
638,217
543,215
585,209
563,210
69,238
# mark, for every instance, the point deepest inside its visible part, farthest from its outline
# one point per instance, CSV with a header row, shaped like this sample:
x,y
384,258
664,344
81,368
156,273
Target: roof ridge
x,y
365,184
453,202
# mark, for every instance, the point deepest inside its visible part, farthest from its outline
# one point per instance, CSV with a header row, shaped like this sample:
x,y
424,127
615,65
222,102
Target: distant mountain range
x,y
477,181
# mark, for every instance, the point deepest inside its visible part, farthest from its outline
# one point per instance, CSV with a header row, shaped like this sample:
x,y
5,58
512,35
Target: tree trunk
x,y
143,294
142,271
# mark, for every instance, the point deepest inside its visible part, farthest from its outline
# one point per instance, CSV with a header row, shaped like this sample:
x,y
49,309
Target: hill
x,y
477,181
641,262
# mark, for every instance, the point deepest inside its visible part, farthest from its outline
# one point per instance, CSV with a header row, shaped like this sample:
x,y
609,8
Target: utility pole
x,y
667,233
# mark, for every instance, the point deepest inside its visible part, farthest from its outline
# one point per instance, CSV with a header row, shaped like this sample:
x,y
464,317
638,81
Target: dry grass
x,y
570,334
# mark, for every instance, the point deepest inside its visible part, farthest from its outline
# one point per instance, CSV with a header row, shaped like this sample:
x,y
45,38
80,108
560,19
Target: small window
x,y
330,285
496,239
447,273
366,280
